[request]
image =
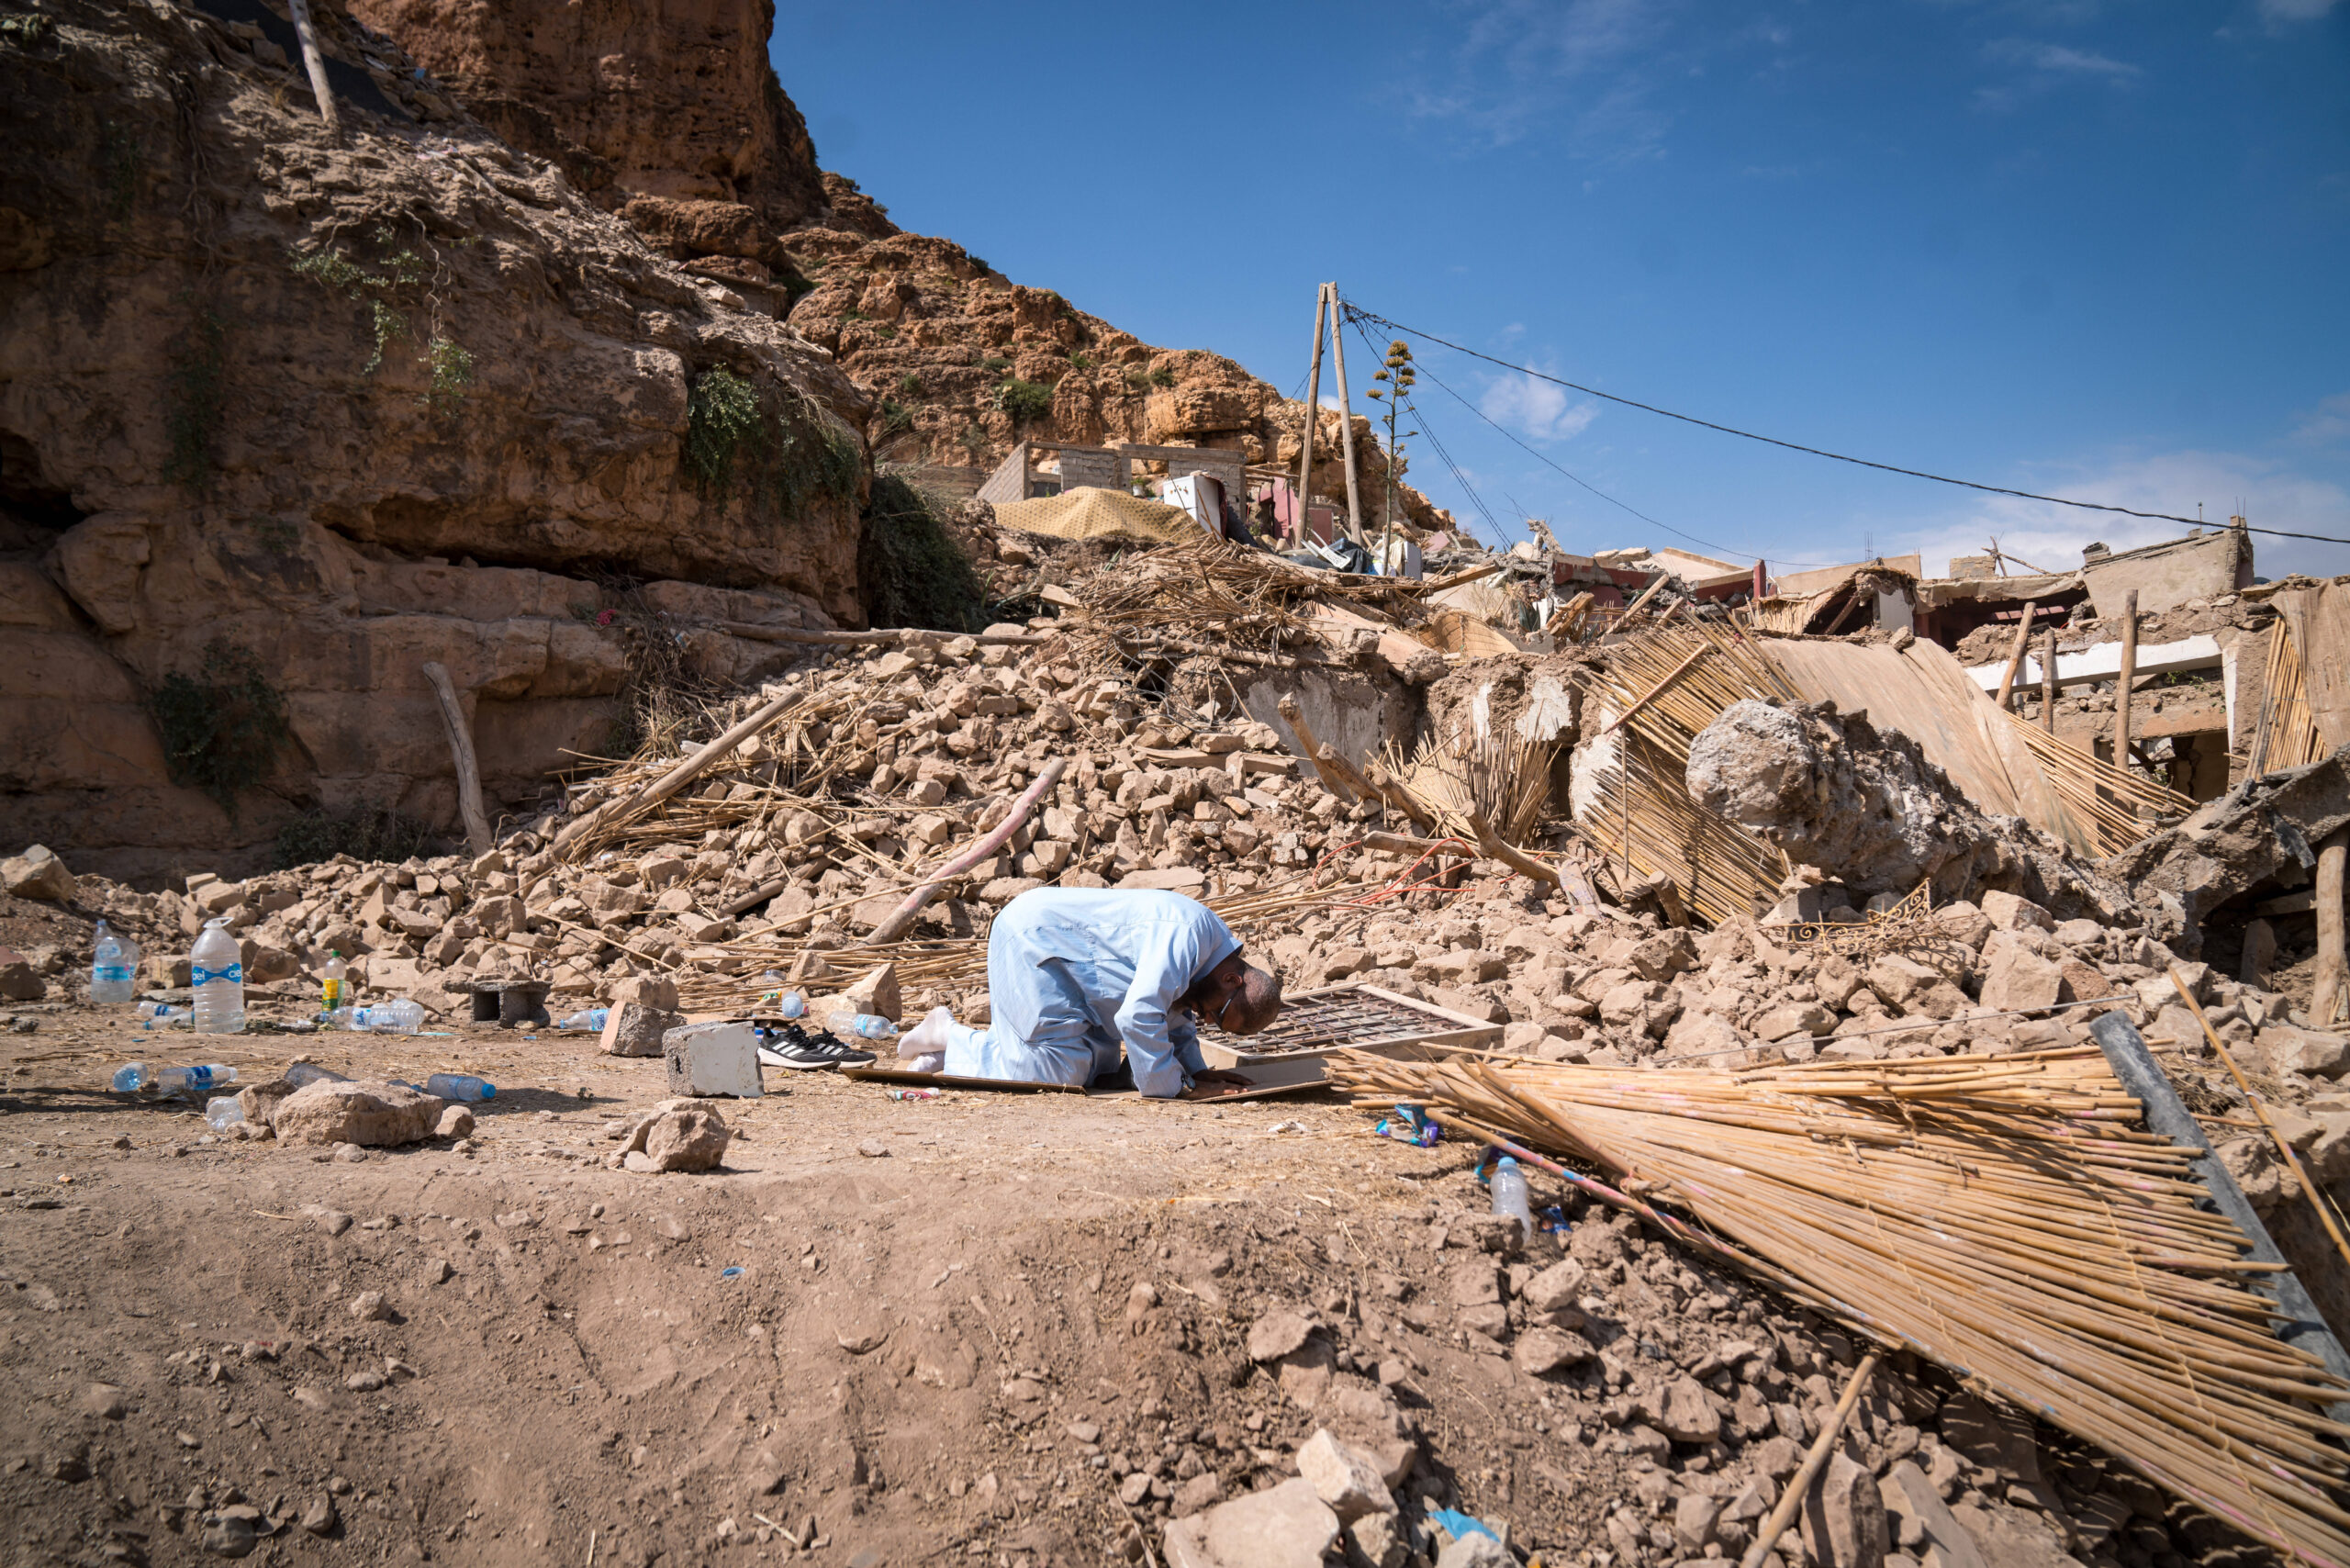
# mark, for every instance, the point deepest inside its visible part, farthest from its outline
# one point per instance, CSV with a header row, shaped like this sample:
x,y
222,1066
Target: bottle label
x,y
333,990
110,974
234,973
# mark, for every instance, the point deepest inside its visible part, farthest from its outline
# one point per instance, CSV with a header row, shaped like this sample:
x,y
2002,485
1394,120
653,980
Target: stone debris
x,y
354,1114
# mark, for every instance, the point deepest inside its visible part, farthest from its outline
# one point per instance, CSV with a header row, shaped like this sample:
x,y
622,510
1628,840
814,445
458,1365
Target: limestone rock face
x,y
294,410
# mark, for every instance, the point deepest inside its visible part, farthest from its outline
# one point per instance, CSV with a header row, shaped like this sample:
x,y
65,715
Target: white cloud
x,y
2276,12
1536,409
1515,55
2056,58
2328,424
2268,494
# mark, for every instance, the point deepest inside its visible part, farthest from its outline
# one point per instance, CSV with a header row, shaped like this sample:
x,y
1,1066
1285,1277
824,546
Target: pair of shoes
x,y
795,1048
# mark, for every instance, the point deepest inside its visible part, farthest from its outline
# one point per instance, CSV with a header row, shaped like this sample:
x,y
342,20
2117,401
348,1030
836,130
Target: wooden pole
x,y
2129,675
315,64
686,771
2015,659
901,919
1814,1462
461,748
1346,420
2333,964
1313,414
2048,683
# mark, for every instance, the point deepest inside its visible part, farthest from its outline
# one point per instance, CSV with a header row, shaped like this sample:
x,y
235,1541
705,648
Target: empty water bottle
x,y
1510,1196
159,1016
401,1017
223,1112
864,1025
303,1072
113,965
216,971
587,1018
138,1076
460,1086
788,1004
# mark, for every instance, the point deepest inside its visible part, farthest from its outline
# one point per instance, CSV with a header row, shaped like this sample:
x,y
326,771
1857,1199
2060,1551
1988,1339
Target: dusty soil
x,y
586,1368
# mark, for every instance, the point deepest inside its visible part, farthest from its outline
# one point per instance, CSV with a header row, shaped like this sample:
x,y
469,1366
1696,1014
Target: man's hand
x,y
1216,1082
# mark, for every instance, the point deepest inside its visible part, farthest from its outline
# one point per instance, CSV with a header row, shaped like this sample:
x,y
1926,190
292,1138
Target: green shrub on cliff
x,y
222,725
910,570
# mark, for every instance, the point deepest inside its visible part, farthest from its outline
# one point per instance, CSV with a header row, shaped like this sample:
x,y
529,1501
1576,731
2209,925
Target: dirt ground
x,y
561,1354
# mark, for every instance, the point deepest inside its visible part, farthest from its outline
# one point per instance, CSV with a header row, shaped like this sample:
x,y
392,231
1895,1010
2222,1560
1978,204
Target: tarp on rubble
x,y
1087,513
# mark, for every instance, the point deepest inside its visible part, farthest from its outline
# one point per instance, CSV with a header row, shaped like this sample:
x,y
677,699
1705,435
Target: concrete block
x,y
714,1060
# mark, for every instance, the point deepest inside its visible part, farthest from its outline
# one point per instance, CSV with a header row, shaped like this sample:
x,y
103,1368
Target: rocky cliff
x,y
282,419
671,115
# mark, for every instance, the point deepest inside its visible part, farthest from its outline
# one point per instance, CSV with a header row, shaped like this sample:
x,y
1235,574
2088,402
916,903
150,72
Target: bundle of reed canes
x,y
2008,1217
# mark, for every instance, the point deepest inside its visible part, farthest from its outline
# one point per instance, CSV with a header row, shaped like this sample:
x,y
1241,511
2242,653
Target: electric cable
x,y
1814,450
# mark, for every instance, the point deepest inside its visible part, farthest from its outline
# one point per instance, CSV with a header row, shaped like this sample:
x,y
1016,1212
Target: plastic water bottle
x,y
1510,1196
401,1017
159,1016
587,1018
216,971
460,1086
223,1112
789,1004
303,1072
333,987
135,1077
113,977
864,1025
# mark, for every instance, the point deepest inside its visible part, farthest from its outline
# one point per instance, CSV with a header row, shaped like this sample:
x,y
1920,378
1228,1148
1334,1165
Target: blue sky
x,y
2090,249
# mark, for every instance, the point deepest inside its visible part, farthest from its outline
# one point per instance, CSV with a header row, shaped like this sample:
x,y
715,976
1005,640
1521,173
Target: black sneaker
x,y
795,1048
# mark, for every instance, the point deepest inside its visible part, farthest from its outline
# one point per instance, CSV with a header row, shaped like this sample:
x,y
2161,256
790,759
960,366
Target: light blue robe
x,y
1073,973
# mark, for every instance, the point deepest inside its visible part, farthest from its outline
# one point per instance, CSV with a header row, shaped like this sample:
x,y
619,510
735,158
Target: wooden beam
x,y
886,638
2326,990
1346,417
1294,716
461,750
685,772
2128,674
2015,656
1313,414
2048,683
315,64
901,919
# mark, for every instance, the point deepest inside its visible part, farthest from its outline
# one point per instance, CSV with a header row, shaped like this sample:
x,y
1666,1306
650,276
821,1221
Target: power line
x,y
1814,450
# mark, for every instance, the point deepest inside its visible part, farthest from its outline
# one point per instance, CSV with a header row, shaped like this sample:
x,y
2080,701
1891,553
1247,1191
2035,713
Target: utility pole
x,y
1346,417
1313,413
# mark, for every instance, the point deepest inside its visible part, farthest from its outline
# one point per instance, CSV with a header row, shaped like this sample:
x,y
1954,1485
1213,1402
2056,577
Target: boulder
x,y
2012,911
2017,979
1346,1479
2312,1053
1541,1351
1286,1526
1794,1018
1555,1287
1278,1334
1843,1518
692,1138
634,1029
1682,1411
371,1114
37,874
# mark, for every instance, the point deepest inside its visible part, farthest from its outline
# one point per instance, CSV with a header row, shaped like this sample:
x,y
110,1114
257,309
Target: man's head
x,y
1236,998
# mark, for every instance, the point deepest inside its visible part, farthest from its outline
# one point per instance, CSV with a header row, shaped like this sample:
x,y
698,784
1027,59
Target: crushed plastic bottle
x,y
303,1072
332,988
864,1025
913,1093
460,1086
1508,1187
114,966
160,1015
138,1077
223,1112
401,1017
587,1018
216,971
